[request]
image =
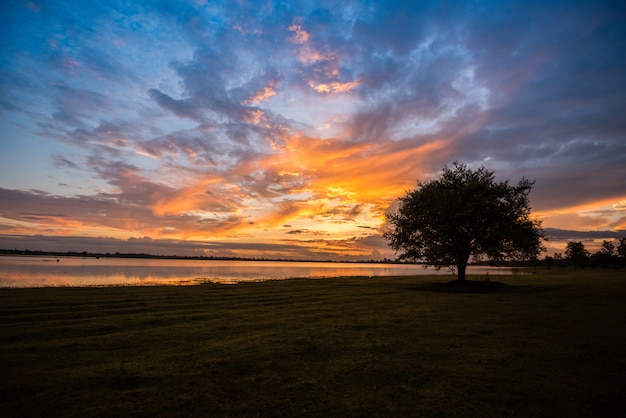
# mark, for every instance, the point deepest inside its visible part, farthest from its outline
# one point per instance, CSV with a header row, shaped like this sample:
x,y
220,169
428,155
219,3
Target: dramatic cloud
x,y
252,128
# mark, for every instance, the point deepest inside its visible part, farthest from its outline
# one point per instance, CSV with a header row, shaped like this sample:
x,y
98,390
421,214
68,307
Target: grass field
x,y
550,344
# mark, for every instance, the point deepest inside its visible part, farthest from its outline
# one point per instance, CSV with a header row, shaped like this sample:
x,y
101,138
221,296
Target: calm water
x,y
75,271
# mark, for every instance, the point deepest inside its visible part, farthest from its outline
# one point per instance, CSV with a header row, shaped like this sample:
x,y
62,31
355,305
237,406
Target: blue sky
x,y
289,129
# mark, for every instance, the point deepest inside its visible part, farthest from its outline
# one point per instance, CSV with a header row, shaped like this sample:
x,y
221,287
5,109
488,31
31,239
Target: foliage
x,y
577,254
465,214
607,256
621,250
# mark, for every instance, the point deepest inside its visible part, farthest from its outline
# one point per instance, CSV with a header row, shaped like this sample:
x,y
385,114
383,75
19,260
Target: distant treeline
x,y
178,257
576,256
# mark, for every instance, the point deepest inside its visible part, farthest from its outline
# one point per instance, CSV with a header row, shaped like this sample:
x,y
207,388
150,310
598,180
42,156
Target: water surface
x,y
39,271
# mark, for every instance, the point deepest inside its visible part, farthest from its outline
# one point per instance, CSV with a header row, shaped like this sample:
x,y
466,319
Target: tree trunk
x,y
461,272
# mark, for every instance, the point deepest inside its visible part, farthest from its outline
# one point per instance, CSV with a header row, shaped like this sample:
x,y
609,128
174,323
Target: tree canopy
x,y
465,214
577,254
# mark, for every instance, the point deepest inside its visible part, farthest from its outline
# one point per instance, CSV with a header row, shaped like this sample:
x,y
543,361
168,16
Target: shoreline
x,y
32,271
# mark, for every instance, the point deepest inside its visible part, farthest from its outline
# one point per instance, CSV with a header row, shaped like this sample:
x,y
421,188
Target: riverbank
x,y
550,344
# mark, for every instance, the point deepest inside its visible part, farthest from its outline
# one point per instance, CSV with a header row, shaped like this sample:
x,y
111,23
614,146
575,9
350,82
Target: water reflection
x,y
75,271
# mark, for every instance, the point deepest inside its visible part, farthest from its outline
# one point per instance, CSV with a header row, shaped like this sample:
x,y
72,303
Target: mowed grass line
x,y
551,344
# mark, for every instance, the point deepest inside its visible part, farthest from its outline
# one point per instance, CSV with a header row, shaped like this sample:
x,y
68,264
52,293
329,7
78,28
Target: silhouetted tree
x,y
559,260
549,262
465,214
607,256
608,248
621,251
577,254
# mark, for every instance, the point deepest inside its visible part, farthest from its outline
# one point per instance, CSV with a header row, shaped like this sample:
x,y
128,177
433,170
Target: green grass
x,y
551,344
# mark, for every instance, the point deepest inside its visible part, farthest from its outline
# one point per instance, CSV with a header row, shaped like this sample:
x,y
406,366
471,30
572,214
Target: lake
x,y
42,271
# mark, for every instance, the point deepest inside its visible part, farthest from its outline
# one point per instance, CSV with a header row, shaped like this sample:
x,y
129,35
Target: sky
x,y
288,129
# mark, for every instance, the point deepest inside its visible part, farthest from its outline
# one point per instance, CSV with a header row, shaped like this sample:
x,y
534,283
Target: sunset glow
x,y
255,130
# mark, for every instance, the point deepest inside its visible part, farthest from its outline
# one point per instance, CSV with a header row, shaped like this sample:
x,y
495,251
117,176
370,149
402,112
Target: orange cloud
x,y
621,205
326,183
606,214
195,197
264,94
301,36
372,171
334,87
253,116
307,55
